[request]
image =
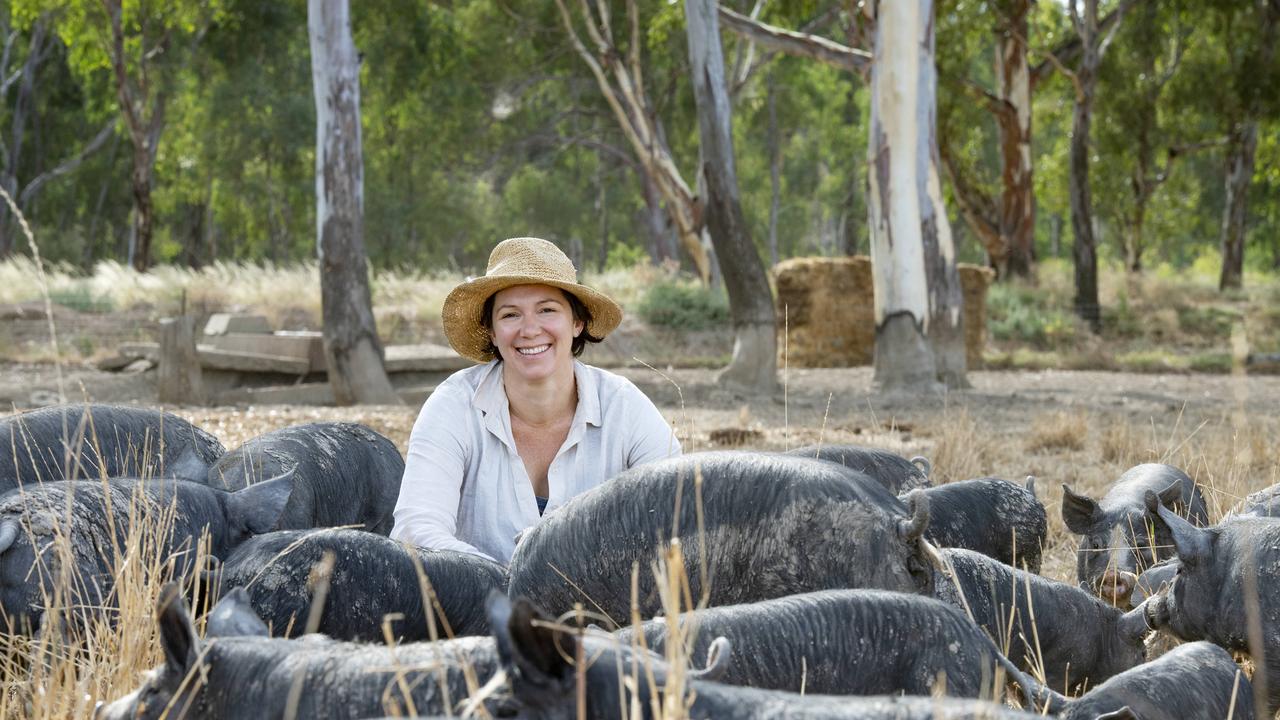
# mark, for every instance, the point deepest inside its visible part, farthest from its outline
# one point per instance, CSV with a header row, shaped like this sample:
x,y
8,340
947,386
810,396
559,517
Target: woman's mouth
x,y
536,350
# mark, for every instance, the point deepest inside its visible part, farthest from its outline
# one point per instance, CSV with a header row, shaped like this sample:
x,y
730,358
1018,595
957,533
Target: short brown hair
x,y
580,314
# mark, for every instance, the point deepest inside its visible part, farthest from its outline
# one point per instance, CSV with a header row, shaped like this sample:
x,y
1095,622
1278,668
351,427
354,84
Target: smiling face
x,y
533,328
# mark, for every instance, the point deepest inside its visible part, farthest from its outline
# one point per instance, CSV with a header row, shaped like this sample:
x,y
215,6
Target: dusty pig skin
x,y
1196,681
371,577
543,683
235,672
247,676
1120,538
343,474
998,518
1226,574
95,518
773,526
846,642
90,442
897,474
1081,640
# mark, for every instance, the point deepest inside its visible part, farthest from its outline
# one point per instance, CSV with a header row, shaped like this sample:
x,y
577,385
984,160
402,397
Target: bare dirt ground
x,y
1078,427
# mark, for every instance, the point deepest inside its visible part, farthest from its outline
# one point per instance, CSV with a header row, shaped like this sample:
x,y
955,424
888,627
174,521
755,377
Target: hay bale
x,y
830,316
830,311
974,281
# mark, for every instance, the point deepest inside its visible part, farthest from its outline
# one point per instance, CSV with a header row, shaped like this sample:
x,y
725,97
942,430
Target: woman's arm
x,y
426,512
652,437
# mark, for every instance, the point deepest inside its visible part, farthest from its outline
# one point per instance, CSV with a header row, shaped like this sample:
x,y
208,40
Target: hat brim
x,y
464,304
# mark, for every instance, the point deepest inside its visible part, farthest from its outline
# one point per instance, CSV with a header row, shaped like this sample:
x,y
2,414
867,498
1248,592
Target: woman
x,y
499,444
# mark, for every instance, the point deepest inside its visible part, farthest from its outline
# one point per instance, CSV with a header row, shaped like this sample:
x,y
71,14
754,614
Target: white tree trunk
x,y
919,339
351,343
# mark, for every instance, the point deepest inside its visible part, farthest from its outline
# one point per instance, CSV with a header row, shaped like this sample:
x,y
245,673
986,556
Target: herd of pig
x,y
834,582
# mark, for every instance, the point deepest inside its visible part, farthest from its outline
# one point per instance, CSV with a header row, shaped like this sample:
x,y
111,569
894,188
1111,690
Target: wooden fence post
x,y
179,382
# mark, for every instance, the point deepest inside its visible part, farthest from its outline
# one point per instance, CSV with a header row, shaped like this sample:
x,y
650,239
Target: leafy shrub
x,y
1122,319
1019,313
683,306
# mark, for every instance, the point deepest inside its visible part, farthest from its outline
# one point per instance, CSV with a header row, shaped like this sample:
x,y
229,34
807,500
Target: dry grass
x,y
84,654
962,449
1059,431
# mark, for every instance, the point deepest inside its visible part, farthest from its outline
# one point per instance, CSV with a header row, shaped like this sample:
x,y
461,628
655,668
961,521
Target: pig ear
x,y
1171,497
536,652
1079,512
1133,625
912,528
258,507
1124,713
234,616
177,634
1190,542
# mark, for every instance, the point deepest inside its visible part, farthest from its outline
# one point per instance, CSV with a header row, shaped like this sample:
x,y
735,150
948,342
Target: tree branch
x,y
809,27
1054,61
795,43
1118,13
1064,53
68,165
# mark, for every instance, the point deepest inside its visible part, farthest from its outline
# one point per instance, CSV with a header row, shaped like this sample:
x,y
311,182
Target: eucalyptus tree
x,y
754,361
25,90
1093,46
1251,32
351,344
919,335
146,47
1144,132
618,68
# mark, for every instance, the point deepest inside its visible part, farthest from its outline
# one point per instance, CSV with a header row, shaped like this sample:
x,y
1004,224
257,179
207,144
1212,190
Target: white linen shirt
x,y
465,487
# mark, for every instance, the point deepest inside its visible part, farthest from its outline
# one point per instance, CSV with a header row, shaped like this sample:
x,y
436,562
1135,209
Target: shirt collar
x,y
490,397
588,394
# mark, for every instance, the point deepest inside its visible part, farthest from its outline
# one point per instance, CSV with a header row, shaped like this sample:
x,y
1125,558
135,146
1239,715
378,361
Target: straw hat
x,y
519,261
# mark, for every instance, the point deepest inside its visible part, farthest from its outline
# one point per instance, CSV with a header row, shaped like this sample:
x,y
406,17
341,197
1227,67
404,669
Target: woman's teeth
x,y
532,350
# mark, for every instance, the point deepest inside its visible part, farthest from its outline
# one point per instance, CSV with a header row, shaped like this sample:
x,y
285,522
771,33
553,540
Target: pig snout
x,y
1116,587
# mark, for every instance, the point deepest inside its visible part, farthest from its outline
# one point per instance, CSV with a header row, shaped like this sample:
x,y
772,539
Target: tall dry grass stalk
x,y
91,649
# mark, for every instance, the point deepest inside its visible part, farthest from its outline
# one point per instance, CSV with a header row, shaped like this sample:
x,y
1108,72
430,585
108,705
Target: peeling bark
x,y
351,344
1017,199
919,337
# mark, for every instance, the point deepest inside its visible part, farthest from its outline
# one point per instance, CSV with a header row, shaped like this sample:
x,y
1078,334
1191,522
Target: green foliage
x,y
1019,313
480,122
683,305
